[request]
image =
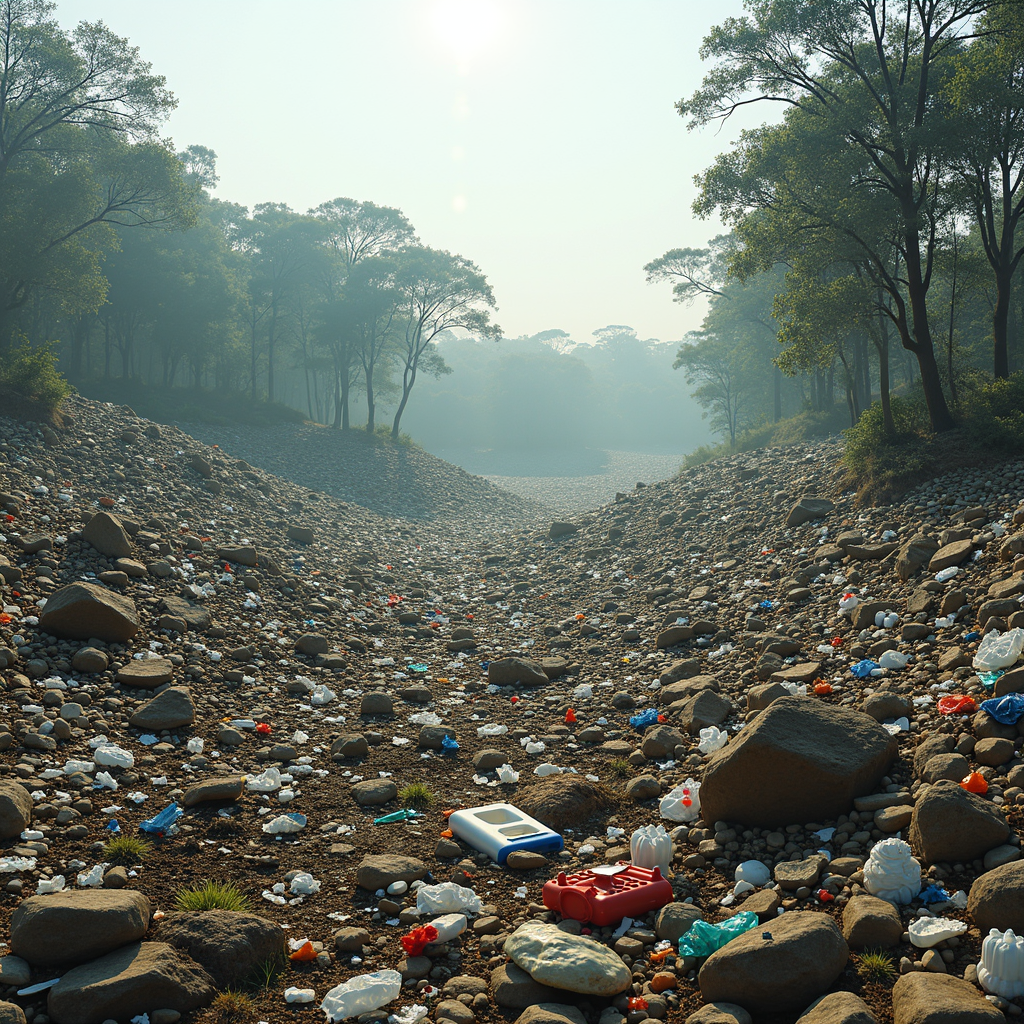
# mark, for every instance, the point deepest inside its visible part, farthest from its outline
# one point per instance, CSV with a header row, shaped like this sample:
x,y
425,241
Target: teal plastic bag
x,y
704,938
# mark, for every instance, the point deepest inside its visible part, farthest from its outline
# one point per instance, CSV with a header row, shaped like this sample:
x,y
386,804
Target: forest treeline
x,y
874,227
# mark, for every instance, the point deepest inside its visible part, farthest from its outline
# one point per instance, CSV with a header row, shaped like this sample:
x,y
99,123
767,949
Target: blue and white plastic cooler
x,y
499,829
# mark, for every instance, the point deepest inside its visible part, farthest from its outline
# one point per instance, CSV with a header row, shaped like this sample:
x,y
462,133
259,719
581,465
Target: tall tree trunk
x,y
777,387
408,380
1000,324
370,425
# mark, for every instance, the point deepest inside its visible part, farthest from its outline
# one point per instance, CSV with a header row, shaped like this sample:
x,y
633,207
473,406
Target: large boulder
x,y
228,944
997,899
106,534
870,923
194,616
563,800
779,967
85,610
77,924
798,761
924,998
167,710
378,871
914,554
566,961
15,809
516,672
951,825
808,509
838,1008
136,979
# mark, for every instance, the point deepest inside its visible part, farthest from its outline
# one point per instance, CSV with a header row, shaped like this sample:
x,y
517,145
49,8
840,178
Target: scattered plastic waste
x,y
711,739
114,756
418,939
40,986
946,574
448,744
606,894
682,803
409,1015
164,823
195,745
302,950
926,932
449,926
847,603
285,824
91,878
321,695
974,783
361,994
953,704
447,898
406,814
299,995
864,668
532,746
891,872
644,718
999,650
506,773
491,730
651,847
304,884
430,718
1001,971
988,679
544,770
10,865
705,938
498,829
893,659
933,894
1007,709
70,767
754,872
45,885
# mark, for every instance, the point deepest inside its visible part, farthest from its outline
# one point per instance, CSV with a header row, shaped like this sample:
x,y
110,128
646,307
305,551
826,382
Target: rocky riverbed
x,y
267,670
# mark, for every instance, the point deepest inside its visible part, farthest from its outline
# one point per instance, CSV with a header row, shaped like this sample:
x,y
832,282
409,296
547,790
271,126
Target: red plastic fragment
x,y
418,939
956,705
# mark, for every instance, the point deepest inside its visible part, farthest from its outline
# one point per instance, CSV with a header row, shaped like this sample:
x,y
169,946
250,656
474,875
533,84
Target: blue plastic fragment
x,y
644,718
864,668
705,938
767,605
933,894
164,823
112,825
988,679
1007,709
447,743
971,637
406,814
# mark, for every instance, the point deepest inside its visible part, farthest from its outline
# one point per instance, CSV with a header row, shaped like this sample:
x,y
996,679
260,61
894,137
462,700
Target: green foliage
x,y
209,895
620,768
417,796
875,965
30,371
127,851
994,413
265,974
229,1007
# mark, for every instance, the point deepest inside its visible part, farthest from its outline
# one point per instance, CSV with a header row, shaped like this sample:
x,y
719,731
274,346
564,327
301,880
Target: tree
x,y
869,73
718,367
78,153
439,292
693,272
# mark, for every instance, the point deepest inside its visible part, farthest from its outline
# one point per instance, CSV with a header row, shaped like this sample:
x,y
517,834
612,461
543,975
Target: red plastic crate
x,y
602,897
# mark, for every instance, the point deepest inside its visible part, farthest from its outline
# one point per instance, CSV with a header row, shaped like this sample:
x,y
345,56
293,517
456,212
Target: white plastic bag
x,y
711,739
304,884
55,884
362,994
506,773
285,824
683,803
893,659
999,650
111,754
299,995
321,695
269,781
447,898
449,926
93,878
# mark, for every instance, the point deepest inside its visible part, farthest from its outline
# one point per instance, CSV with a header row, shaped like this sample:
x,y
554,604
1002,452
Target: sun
x,y
466,27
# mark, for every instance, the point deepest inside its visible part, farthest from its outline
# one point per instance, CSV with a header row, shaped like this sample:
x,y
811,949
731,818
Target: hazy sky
x,y
536,137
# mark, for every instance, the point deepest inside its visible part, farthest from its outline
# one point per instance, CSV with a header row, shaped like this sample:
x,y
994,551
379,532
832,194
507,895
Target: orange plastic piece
x,y
304,952
447,834
263,729
657,958
956,705
974,783
636,1003
822,689
570,717
448,813
107,502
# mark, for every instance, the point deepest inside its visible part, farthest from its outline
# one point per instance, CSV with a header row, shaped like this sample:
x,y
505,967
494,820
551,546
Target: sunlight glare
x,y
466,27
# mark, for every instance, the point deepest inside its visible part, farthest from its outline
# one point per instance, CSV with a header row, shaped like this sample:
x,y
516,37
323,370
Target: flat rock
x,y
229,945
838,1008
82,611
808,509
146,674
551,1013
244,554
870,923
798,761
193,615
516,672
381,870
513,989
107,535
211,791
675,919
925,998
374,792
525,860
777,967
951,825
556,958
720,1013
170,709
132,980
90,923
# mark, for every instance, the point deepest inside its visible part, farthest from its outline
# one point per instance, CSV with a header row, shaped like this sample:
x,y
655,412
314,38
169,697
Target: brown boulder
x,y
516,672
15,809
838,1008
951,825
106,534
997,899
561,800
135,979
798,761
85,610
924,998
777,967
869,922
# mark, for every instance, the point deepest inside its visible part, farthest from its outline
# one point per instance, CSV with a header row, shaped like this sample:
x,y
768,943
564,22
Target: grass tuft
x,y
266,972
210,895
127,851
229,1006
620,768
874,965
417,796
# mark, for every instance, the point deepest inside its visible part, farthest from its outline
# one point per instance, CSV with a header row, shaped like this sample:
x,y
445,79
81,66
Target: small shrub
x,y
874,965
417,796
620,768
994,413
126,851
212,896
30,371
266,972
229,1006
